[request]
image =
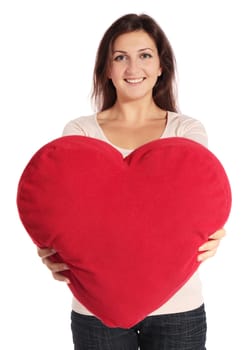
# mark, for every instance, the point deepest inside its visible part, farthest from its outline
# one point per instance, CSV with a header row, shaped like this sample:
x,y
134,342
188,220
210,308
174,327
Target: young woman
x,y
134,92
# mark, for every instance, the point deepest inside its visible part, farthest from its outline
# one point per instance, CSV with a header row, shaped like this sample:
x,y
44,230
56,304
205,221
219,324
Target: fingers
x,y
208,254
45,252
209,248
55,268
212,244
59,277
218,234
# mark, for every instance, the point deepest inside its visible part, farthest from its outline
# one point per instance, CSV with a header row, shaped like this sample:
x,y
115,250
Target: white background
x,y
47,56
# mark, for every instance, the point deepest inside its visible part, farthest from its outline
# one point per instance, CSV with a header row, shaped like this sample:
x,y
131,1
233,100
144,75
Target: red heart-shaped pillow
x,y
128,228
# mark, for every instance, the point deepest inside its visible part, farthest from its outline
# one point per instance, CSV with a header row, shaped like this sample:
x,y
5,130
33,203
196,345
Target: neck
x,y
136,112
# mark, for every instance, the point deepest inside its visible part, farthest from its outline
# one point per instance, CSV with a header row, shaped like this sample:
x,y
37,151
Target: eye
x,y
120,58
146,55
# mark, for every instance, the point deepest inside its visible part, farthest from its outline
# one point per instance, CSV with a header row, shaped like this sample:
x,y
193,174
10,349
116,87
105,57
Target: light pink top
x,y
189,296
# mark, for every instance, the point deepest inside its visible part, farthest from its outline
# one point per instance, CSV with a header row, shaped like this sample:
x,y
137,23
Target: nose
x,y
132,66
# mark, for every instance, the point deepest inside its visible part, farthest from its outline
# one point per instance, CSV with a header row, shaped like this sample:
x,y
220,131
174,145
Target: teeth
x,y
134,81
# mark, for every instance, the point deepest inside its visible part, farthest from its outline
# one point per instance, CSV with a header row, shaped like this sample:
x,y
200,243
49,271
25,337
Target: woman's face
x,y
135,65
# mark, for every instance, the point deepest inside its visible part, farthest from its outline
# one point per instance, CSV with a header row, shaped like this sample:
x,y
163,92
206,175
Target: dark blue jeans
x,y
180,331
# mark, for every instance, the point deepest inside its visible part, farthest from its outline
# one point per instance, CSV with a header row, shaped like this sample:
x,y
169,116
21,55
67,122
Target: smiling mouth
x,y
134,81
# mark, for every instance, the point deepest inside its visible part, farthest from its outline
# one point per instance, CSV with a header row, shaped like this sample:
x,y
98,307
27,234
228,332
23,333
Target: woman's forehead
x,y
137,40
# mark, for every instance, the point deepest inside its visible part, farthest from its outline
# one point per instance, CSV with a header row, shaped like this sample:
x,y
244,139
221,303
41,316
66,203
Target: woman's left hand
x,y
209,248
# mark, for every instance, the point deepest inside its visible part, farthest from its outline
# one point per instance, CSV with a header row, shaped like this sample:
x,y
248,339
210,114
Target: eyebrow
x,y
122,51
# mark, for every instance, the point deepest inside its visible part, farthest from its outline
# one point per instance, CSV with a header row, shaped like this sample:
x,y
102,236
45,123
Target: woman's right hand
x,y
55,268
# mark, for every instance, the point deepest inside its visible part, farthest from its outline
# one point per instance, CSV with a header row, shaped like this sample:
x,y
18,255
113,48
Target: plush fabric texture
x,y
130,228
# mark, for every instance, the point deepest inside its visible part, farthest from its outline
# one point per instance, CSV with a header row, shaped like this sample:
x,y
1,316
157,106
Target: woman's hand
x,y
55,268
209,248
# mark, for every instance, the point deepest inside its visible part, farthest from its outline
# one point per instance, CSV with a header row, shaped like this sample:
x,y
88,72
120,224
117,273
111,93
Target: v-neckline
x,y
125,150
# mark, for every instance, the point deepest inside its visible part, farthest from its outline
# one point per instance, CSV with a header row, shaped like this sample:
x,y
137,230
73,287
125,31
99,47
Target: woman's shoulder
x,y
180,118
185,126
80,126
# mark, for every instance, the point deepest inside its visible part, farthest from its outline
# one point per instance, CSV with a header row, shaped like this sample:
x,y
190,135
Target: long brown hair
x,y
164,92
